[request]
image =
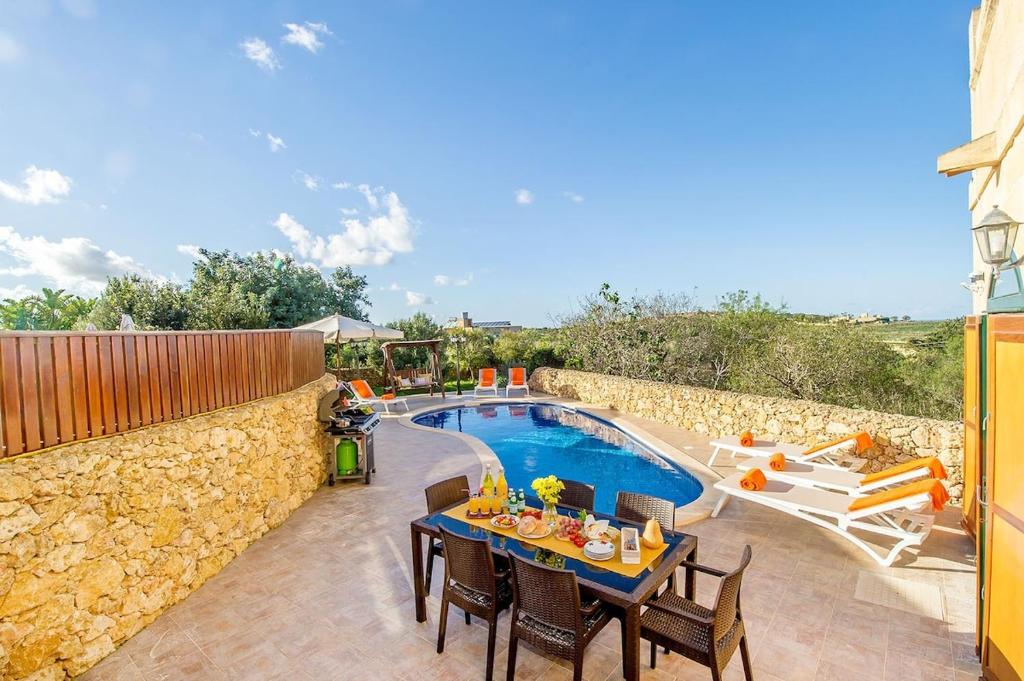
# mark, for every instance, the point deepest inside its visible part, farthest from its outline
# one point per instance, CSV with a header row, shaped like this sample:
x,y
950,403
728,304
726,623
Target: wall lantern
x,y
996,234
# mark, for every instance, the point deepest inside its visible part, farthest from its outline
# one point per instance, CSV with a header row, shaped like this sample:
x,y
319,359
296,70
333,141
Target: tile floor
x,y
327,595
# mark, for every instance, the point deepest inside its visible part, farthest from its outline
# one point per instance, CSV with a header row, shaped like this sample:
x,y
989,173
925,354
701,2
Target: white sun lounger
x,y
896,519
829,477
487,381
517,380
362,393
827,456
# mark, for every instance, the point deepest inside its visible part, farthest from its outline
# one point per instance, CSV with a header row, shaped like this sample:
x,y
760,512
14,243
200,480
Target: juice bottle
x,y
488,483
502,488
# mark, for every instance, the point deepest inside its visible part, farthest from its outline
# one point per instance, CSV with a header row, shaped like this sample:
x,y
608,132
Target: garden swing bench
x,y
436,372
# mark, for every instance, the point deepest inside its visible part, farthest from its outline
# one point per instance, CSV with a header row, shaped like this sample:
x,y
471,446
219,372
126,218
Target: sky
x,y
503,159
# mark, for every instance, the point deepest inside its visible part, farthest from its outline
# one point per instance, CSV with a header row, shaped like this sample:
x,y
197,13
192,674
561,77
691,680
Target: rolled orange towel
x,y
387,396
935,469
777,461
746,439
753,480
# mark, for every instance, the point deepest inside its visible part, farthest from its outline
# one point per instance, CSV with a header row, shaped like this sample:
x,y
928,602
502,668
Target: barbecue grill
x,y
344,423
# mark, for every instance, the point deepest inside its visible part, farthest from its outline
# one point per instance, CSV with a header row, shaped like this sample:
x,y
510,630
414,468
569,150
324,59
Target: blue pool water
x,y
541,439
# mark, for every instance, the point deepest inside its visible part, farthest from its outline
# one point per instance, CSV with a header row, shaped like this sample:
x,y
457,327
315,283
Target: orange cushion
x,y
517,375
387,396
362,388
934,466
935,489
487,377
862,442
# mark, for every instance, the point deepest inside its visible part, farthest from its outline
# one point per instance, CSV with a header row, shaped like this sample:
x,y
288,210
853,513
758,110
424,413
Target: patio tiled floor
x,y
327,596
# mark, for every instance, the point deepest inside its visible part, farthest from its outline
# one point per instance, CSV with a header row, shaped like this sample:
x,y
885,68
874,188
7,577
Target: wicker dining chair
x,y
472,583
578,494
547,613
640,508
442,495
708,636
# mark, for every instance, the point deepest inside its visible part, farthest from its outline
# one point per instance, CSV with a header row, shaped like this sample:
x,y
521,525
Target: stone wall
x,y
98,537
716,412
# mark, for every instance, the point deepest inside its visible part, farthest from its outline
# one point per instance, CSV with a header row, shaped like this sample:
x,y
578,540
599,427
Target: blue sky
x,y
499,158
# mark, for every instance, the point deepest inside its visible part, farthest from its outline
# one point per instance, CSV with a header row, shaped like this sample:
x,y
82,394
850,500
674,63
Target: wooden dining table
x,y
624,595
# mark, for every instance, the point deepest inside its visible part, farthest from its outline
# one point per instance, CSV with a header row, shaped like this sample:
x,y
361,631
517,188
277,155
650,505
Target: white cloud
x,y
342,185
254,132
413,299
445,280
16,293
10,50
190,250
368,194
39,186
262,54
524,197
311,182
350,211
372,241
306,35
573,196
393,286
73,263
276,143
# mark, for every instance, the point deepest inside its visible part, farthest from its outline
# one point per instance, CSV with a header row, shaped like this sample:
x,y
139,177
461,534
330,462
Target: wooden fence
x,y
65,386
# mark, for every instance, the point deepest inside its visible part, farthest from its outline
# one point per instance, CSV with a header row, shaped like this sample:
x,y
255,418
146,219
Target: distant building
x,y
466,322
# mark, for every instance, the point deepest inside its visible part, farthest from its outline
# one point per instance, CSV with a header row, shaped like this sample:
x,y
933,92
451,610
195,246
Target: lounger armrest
x,y
657,605
703,568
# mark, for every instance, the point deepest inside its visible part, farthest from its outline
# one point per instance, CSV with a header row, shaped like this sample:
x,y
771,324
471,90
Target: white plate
x,y
545,532
515,521
599,550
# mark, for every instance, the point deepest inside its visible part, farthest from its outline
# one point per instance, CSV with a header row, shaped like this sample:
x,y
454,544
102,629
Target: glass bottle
x,y
502,487
522,501
488,483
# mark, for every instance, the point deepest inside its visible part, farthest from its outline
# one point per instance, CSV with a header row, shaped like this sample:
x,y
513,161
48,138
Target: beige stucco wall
x,y
98,537
716,412
997,105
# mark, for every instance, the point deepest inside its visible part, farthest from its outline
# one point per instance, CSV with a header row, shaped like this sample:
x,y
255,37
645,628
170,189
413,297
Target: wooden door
x,y
972,430
1003,585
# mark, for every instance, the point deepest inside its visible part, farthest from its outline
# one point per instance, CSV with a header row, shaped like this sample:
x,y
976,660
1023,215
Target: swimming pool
x,y
543,439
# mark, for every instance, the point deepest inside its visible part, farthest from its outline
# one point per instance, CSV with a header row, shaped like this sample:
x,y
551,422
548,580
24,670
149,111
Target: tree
x,y
475,352
531,348
151,304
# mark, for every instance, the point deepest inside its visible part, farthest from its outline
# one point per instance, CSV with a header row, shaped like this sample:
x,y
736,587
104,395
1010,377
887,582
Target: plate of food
x,y
598,549
531,528
504,521
570,530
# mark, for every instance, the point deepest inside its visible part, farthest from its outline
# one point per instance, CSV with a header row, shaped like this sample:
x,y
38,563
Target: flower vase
x,y
550,514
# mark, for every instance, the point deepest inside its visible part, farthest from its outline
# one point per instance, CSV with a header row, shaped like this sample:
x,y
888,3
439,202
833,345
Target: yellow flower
x,y
548,489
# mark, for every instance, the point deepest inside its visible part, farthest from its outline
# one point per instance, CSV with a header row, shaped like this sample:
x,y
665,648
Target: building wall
x,y
997,105
715,413
98,537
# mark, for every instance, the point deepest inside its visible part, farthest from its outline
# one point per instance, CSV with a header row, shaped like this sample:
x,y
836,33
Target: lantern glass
x,y
995,237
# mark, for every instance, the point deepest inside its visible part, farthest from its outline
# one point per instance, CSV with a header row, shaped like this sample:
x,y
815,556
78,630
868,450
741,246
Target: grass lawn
x,y
467,385
901,333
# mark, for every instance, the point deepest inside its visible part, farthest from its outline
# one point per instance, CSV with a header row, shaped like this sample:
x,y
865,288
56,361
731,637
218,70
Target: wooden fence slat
x,y
145,394
131,367
47,391
65,386
79,386
65,397
14,436
120,383
30,394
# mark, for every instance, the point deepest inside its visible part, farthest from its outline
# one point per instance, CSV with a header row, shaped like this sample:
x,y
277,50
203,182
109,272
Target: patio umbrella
x,y
338,328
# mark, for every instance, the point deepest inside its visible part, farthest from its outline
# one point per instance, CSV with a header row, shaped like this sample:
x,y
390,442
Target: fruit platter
x,y
570,530
505,521
532,528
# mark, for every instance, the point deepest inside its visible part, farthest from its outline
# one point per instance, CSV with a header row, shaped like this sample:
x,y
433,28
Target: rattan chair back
x,y
468,562
578,494
545,594
447,492
727,604
640,508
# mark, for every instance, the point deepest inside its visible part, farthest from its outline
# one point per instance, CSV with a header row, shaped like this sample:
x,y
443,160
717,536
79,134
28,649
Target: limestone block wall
x,y
98,537
715,412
